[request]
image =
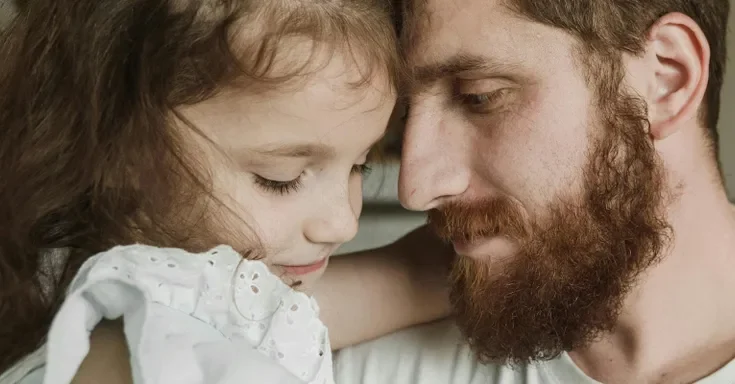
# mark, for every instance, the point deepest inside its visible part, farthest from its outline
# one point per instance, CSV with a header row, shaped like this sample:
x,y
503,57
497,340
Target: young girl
x,y
184,125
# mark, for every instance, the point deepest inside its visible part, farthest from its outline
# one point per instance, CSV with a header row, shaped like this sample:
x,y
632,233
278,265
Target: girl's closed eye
x,y
284,187
278,187
362,169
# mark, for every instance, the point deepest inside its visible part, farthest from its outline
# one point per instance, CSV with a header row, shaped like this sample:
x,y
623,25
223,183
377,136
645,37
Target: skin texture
x,y
523,125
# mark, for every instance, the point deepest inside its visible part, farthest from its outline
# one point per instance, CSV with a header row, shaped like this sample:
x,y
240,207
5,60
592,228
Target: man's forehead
x,y
480,36
443,28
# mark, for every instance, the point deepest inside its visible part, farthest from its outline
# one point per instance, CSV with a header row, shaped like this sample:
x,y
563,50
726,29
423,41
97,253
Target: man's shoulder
x,y
430,354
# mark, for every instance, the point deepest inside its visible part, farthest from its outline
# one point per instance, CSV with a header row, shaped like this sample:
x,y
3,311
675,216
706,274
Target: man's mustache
x,y
471,221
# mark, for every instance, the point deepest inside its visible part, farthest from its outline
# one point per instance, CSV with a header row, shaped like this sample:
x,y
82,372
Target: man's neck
x,y
678,324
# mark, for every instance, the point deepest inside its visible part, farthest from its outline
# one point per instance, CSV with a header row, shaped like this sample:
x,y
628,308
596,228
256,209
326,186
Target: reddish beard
x,y
567,283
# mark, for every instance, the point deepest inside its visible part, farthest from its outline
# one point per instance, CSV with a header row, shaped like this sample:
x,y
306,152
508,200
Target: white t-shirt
x,y
211,318
437,354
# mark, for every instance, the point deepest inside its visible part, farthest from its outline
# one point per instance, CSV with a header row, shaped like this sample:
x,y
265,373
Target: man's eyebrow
x,y
297,150
426,75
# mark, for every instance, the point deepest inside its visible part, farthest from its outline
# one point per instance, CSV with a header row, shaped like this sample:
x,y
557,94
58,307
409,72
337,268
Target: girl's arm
x,y
108,360
372,293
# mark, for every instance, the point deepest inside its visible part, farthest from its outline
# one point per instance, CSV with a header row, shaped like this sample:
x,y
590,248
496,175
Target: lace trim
x,y
240,298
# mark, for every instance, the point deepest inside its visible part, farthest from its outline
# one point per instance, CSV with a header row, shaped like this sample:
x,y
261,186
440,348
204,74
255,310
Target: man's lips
x,y
490,246
468,241
463,247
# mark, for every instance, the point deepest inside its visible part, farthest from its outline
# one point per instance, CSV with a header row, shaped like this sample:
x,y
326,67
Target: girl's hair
x,y
89,158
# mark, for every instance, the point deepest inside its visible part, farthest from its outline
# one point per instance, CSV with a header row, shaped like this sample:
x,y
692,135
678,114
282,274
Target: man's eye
x,y
477,99
481,102
278,187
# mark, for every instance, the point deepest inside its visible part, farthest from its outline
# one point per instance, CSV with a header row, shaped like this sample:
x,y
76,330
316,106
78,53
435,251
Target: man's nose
x,y
434,166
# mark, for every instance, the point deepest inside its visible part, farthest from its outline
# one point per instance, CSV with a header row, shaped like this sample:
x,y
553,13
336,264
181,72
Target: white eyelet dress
x,y
211,318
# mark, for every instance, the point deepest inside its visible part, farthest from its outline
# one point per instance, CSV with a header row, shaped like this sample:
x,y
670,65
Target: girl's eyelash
x,y
362,169
285,187
278,187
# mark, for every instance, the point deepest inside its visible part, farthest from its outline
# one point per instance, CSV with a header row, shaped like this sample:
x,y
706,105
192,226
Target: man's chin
x,y
487,249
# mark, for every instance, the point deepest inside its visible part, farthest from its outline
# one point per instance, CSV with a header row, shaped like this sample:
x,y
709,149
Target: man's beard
x,y
567,283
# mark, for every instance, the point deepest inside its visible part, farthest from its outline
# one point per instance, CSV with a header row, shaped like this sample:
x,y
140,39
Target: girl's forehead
x,y
327,110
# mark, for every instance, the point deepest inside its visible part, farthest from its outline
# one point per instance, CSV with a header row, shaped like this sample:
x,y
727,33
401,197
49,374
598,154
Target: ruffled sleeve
x,y
192,318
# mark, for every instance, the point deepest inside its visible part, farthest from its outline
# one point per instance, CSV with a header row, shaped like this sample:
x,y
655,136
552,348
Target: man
x,y
568,151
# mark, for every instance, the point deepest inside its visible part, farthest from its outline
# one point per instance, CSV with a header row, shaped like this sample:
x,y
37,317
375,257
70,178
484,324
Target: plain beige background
x,y
727,118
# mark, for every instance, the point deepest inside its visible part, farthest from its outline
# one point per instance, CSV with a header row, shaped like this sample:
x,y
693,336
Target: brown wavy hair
x,y
89,92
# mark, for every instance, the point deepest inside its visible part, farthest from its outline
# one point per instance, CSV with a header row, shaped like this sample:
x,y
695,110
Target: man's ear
x,y
678,54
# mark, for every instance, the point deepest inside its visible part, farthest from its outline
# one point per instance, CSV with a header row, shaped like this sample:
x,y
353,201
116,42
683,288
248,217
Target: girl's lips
x,y
304,269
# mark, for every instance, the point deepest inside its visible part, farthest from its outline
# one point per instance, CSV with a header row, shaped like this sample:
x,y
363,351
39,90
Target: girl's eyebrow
x,y
314,150
318,151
